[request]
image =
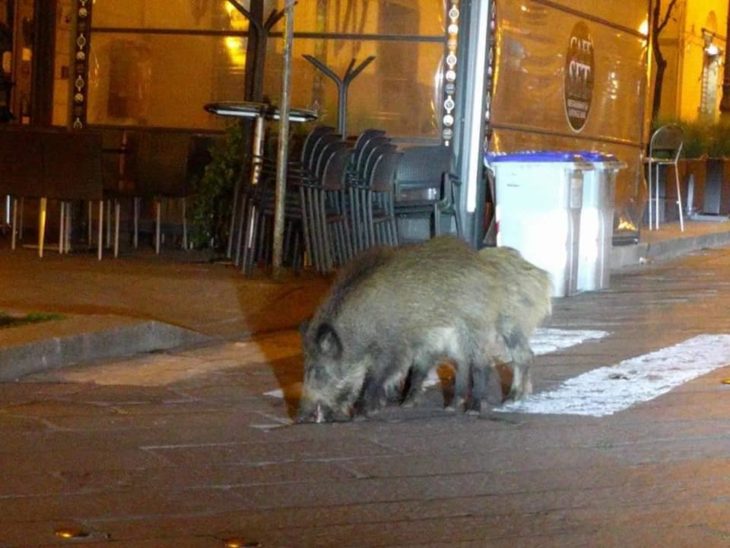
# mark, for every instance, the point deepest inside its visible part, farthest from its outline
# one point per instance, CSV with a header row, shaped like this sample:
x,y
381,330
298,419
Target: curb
x,y
633,255
36,348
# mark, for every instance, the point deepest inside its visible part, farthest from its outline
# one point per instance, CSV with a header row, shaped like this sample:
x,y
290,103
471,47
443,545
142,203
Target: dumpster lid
x,y
534,156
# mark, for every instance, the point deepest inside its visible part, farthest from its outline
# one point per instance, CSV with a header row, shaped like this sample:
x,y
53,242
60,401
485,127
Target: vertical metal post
x,y
42,225
283,151
470,142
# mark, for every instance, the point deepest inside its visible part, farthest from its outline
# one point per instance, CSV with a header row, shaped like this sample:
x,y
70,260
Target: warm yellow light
x,y
236,50
644,27
68,533
234,45
626,225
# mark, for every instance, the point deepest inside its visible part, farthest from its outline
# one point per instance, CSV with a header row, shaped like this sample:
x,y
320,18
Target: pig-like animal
x,y
392,311
526,291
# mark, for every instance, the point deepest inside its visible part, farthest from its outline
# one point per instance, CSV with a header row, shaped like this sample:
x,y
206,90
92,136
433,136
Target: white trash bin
x,y
596,221
539,197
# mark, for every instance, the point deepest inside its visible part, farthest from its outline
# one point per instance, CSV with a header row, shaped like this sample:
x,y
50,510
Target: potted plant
x,y
717,183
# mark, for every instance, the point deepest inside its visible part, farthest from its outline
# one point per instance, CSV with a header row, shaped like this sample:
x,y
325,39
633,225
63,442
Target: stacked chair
x,y
339,201
370,191
313,208
425,186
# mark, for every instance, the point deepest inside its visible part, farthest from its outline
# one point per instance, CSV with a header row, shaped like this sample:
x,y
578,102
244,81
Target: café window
x,y
157,62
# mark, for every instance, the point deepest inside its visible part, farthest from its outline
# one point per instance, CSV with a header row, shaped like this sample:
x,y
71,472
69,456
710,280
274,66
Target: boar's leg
x,y
372,397
462,384
521,381
486,387
414,386
483,378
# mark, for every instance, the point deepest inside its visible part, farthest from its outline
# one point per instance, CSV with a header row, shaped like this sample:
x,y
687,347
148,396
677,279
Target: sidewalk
x,y
194,446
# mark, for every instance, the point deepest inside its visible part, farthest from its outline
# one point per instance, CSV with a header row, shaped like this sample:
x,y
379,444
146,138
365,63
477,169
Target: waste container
x,y
596,221
539,197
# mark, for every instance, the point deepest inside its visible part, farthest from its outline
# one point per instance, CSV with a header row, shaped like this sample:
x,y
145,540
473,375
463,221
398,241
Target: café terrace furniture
x,y
665,148
425,186
51,164
244,215
152,165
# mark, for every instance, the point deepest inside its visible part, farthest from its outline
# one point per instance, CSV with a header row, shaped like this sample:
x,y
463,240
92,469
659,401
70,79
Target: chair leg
x,y
436,220
21,224
679,199
135,214
158,223
651,195
14,226
67,233
109,223
656,197
42,225
457,222
61,226
117,211
185,223
100,238
89,224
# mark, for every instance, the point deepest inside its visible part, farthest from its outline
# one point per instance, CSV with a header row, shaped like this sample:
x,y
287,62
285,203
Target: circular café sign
x,y
579,76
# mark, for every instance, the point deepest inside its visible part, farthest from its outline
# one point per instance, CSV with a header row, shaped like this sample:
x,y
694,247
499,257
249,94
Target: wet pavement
x,y
194,446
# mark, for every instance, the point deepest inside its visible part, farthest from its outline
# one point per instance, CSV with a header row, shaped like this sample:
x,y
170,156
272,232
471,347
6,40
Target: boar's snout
x,y
319,412
313,413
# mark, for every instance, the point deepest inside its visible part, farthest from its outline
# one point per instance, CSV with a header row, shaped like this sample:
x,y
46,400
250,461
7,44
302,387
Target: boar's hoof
x,y
473,407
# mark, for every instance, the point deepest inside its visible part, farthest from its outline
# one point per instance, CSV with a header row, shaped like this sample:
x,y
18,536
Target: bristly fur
x,y
409,309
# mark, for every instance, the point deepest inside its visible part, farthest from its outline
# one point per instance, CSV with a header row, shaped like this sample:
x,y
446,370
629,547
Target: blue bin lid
x,y
549,156
533,156
595,156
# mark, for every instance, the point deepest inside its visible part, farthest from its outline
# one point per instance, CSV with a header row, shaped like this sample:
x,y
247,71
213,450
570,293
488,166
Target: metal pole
x,y
725,102
474,35
283,151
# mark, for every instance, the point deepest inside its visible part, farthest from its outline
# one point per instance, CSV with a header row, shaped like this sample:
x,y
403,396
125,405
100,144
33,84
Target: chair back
x,y
311,140
335,169
666,143
366,135
362,156
382,177
422,168
319,147
373,158
324,156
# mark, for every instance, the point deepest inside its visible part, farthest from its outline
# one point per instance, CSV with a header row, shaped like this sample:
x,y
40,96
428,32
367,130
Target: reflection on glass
x,y
152,63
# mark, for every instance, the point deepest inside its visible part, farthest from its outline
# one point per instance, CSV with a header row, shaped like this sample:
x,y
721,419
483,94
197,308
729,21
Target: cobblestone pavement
x,y
195,448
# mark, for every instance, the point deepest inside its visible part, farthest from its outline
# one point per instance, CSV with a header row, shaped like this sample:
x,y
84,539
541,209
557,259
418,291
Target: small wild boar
x,y
526,290
393,313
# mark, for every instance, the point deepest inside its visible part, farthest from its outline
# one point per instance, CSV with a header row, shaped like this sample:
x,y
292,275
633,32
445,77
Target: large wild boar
x,y
391,312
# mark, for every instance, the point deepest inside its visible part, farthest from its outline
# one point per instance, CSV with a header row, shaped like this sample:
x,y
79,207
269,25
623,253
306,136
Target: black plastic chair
x,y
425,186
360,192
381,187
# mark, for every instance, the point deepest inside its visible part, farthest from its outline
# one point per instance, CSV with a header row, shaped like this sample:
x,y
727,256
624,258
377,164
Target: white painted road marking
x,y
608,390
546,340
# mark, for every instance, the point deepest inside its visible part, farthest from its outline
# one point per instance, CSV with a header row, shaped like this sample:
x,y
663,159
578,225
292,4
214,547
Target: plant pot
x,y
692,181
717,187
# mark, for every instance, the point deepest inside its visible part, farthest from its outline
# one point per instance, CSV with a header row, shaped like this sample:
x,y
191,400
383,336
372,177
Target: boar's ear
x,y
304,326
328,341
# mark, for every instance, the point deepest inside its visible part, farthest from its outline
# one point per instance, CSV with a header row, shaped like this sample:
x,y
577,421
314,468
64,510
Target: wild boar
x,y
391,311
526,291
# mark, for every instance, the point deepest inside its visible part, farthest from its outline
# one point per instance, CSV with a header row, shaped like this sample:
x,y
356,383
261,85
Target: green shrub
x,y
212,204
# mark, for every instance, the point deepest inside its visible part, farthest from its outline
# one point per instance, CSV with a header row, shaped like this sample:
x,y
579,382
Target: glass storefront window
x,y
157,62
191,15
161,80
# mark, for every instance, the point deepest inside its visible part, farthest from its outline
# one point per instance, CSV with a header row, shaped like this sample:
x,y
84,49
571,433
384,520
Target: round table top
x,y
249,109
